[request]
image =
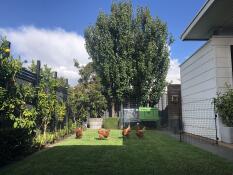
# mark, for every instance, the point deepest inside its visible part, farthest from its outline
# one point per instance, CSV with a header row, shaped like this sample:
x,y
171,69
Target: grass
x,y
156,154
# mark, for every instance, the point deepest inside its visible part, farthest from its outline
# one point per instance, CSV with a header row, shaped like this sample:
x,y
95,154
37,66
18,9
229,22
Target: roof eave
x,y
195,20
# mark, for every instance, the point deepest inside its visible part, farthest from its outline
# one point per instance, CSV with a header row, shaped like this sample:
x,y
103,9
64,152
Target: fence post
x,y
121,117
37,82
180,120
67,107
38,73
54,112
215,120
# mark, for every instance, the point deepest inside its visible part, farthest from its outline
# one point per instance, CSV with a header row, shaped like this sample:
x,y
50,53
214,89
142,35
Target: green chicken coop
x,y
148,114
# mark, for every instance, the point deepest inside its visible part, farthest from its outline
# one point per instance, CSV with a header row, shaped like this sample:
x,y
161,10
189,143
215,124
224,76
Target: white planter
x,y
95,123
226,134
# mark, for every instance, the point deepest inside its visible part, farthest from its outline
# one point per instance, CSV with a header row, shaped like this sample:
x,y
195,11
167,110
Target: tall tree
x,y
110,44
151,57
130,53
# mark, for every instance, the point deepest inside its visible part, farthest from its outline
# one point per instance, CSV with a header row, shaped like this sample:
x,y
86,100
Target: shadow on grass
x,y
156,154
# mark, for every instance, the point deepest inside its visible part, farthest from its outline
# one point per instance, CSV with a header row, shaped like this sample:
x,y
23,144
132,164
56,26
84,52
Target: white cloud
x,y
174,72
55,47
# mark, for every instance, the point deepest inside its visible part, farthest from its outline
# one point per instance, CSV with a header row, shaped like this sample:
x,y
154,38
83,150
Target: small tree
x,y
86,98
223,105
61,112
47,98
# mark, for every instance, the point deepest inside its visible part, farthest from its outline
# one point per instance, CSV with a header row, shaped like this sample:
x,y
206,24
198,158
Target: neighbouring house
x,y
174,107
169,107
209,69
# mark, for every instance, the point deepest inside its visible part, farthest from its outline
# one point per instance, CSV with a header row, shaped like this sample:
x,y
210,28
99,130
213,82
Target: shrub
x,y
15,143
111,123
224,107
40,140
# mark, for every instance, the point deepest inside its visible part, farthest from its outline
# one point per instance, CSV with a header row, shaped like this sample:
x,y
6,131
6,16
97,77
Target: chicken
x,y
79,133
126,131
103,133
139,131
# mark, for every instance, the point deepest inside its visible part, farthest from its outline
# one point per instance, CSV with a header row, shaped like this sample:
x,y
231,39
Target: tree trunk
x,y
45,129
113,110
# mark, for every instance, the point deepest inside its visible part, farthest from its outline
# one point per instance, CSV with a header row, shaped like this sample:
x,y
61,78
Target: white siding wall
x,y
198,87
203,75
222,47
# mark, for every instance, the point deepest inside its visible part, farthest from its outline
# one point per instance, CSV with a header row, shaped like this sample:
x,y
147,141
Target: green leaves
x,y
27,119
47,99
223,105
130,53
87,100
10,104
61,111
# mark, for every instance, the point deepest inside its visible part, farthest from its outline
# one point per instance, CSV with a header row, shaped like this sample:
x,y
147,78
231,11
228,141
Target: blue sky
x,y
68,18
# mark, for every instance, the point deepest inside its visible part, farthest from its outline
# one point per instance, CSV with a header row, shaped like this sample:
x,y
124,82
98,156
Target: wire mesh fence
x,y
198,121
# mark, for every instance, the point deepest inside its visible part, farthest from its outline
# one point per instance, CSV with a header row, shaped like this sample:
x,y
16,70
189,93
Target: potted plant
x,y
224,108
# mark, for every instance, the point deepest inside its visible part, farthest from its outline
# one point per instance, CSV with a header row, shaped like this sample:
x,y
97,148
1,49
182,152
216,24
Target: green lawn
x,y
156,154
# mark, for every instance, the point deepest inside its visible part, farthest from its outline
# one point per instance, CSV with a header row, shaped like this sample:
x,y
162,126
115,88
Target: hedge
x,y
15,143
110,123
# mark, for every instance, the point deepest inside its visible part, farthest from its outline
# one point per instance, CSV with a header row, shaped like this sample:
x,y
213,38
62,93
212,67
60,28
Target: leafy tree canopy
x,y
130,53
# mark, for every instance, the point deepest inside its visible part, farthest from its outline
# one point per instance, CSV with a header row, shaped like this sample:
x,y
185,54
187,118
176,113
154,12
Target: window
x,y
175,99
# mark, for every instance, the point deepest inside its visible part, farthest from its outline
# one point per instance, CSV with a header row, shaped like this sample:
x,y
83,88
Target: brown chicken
x,y
139,131
103,133
79,133
126,132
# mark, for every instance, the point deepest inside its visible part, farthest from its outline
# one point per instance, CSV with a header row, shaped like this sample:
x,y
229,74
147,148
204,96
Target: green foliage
x,y
14,97
41,140
110,45
87,100
111,123
9,101
24,108
97,102
87,74
26,119
61,82
223,106
130,53
61,111
78,100
47,98
15,142
151,57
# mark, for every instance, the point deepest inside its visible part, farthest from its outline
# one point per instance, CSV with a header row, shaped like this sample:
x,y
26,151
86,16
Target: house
x,y
174,107
209,69
169,107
